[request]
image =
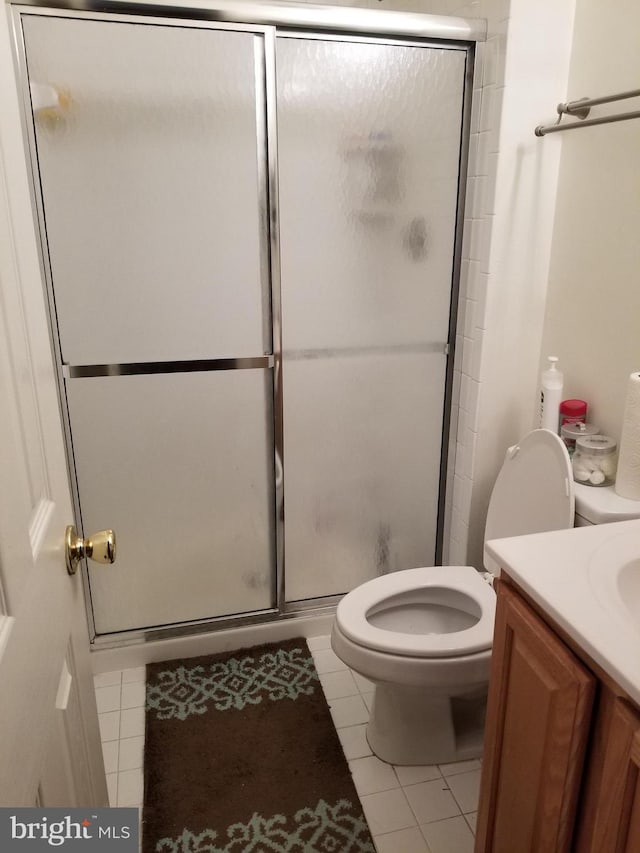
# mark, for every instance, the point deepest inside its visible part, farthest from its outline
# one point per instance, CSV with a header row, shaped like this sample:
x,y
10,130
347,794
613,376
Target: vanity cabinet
x,y
610,813
538,715
562,746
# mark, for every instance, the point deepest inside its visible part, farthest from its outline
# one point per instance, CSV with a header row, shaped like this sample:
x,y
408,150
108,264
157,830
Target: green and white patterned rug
x,y
241,756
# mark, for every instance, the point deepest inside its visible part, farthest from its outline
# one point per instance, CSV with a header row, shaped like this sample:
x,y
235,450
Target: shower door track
x,y
269,21
340,19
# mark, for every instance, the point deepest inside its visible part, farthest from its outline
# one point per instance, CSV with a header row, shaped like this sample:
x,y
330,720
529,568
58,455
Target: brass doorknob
x,y
100,546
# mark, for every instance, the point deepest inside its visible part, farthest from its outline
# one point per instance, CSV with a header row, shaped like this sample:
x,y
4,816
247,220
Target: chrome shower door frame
x,y
268,21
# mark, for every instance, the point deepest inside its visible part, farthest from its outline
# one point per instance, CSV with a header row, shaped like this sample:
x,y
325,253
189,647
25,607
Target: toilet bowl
x,y
423,636
387,628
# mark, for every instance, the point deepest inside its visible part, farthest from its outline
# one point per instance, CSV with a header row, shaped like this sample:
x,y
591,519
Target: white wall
x,y
593,311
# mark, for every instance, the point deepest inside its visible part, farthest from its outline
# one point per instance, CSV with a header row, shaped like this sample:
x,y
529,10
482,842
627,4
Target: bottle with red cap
x,y
573,412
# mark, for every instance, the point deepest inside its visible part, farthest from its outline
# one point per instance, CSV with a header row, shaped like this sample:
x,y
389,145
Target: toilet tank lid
x,y
534,489
602,505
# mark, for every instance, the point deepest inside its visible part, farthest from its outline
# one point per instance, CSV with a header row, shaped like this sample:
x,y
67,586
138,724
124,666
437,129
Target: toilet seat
x,y
462,584
534,491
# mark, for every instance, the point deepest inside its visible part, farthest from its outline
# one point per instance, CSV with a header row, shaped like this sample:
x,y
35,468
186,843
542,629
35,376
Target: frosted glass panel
x,y
150,185
369,143
362,464
181,467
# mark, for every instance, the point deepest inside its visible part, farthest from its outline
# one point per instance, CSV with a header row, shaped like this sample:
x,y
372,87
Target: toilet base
x,y
413,726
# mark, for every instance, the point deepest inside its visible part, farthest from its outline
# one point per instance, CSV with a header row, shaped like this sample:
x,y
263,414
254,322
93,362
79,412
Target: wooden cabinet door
x,y
538,714
610,813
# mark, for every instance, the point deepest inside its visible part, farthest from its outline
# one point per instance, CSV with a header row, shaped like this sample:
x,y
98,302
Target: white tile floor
x,y
429,809
409,809
120,698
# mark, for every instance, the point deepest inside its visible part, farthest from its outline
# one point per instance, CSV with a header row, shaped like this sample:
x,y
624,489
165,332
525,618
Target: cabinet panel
x,y
538,716
610,814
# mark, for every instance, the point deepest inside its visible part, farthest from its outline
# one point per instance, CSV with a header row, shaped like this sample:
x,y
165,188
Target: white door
x,y
49,745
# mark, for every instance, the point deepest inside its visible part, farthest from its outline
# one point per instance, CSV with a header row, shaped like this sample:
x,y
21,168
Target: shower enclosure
x,y
250,237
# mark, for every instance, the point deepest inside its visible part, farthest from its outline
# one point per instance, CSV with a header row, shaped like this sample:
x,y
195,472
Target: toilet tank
x,y
601,505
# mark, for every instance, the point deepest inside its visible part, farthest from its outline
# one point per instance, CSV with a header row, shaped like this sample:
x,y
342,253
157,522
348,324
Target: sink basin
x,y
614,573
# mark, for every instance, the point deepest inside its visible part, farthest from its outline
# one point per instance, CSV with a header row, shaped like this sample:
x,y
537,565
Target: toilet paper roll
x,y
628,476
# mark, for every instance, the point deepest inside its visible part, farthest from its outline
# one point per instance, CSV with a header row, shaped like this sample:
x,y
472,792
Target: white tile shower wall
x,y
478,224
513,181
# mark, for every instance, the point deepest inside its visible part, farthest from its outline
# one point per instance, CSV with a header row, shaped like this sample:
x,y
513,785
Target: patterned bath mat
x,y
241,756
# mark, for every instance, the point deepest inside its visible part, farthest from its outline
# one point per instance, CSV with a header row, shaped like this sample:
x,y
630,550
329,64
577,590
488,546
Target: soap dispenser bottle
x,y
551,396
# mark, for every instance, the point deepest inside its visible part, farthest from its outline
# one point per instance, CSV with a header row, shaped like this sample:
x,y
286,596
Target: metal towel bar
x,y
581,109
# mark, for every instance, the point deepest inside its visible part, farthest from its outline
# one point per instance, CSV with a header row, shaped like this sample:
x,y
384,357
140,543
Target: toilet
x,y
423,636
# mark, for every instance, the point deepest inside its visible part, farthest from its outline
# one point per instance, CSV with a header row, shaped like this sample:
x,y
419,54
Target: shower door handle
x,y
100,546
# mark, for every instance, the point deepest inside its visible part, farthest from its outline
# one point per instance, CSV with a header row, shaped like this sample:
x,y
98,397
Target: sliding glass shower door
x,y
249,240
150,144
369,141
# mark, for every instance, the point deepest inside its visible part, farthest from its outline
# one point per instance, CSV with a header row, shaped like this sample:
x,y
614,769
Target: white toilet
x,y
423,636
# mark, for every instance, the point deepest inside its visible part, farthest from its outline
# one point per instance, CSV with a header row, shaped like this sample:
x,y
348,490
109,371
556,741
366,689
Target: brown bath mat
x,y
241,756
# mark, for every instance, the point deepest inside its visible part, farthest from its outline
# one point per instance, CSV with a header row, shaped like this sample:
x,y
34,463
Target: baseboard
x,y
139,654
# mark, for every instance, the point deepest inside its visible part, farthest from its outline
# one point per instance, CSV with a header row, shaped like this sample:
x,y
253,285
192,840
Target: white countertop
x,y
568,574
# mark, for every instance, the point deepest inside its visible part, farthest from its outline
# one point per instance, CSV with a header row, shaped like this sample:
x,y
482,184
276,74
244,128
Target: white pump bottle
x,y
551,396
